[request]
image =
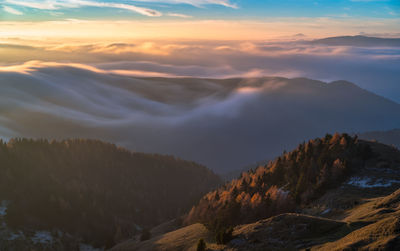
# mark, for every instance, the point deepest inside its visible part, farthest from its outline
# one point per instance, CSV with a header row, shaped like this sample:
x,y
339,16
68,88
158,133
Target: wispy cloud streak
x,y
197,3
12,10
178,15
55,5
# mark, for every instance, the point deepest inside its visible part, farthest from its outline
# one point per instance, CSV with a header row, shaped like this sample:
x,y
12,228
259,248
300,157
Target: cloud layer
x,y
223,123
373,68
207,101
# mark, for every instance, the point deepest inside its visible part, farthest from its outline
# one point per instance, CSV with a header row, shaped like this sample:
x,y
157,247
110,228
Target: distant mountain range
x,y
362,41
224,124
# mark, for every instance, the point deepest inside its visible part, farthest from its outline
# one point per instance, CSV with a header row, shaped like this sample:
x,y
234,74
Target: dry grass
x,y
182,239
355,218
382,235
376,209
373,225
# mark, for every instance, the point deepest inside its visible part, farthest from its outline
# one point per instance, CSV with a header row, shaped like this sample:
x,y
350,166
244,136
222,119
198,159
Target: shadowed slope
x,y
95,191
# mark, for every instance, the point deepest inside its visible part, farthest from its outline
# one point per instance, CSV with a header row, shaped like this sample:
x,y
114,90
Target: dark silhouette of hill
x,y
362,41
94,191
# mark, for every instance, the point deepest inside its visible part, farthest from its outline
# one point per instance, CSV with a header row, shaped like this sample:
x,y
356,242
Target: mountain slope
x,y
94,191
381,217
293,179
224,124
184,238
356,205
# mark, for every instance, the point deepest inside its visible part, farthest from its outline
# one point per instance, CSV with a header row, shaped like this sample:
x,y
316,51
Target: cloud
x,y
140,10
225,59
42,5
249,119
12,10
61,4
197,3
32,66
55,5
178,15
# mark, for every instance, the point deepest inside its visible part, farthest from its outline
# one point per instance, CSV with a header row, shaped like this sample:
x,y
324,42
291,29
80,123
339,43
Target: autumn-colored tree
x,y
292,179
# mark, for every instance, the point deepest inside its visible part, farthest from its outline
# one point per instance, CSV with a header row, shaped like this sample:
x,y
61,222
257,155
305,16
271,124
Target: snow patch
x,y
367,182
86,247
283,193
326,211
15,236
3,208
43,237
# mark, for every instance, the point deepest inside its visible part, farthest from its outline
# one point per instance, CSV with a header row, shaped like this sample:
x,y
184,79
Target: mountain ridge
x,y
358,40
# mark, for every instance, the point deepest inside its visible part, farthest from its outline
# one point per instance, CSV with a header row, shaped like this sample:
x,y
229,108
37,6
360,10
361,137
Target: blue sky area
x,y
27,10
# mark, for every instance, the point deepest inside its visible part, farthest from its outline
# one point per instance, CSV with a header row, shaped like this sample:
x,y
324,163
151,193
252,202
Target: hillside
x,y
377,228
92,192
301,202
293,179
251,119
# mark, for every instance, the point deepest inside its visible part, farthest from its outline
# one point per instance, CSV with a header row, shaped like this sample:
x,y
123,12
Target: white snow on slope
x,y
86,247
3,208
367,182
42,237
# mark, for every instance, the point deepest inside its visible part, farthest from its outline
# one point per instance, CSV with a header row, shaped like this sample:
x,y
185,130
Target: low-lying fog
x,y
95,92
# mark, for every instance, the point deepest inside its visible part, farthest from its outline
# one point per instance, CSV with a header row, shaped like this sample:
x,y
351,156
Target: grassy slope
x,y
382,215
362,218
182,239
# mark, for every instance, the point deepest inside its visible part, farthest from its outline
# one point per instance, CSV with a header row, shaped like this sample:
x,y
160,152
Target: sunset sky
x,y
203,38
196,19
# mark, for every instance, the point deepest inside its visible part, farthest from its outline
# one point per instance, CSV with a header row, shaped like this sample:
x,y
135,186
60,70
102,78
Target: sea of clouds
x,y
203,101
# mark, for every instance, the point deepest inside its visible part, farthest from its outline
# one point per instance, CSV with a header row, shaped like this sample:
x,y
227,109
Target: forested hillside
x,y
94,191
333,193
293,179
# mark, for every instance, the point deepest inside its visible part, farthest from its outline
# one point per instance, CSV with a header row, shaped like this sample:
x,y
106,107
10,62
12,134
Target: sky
x,y
204,38
29,10
212,19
